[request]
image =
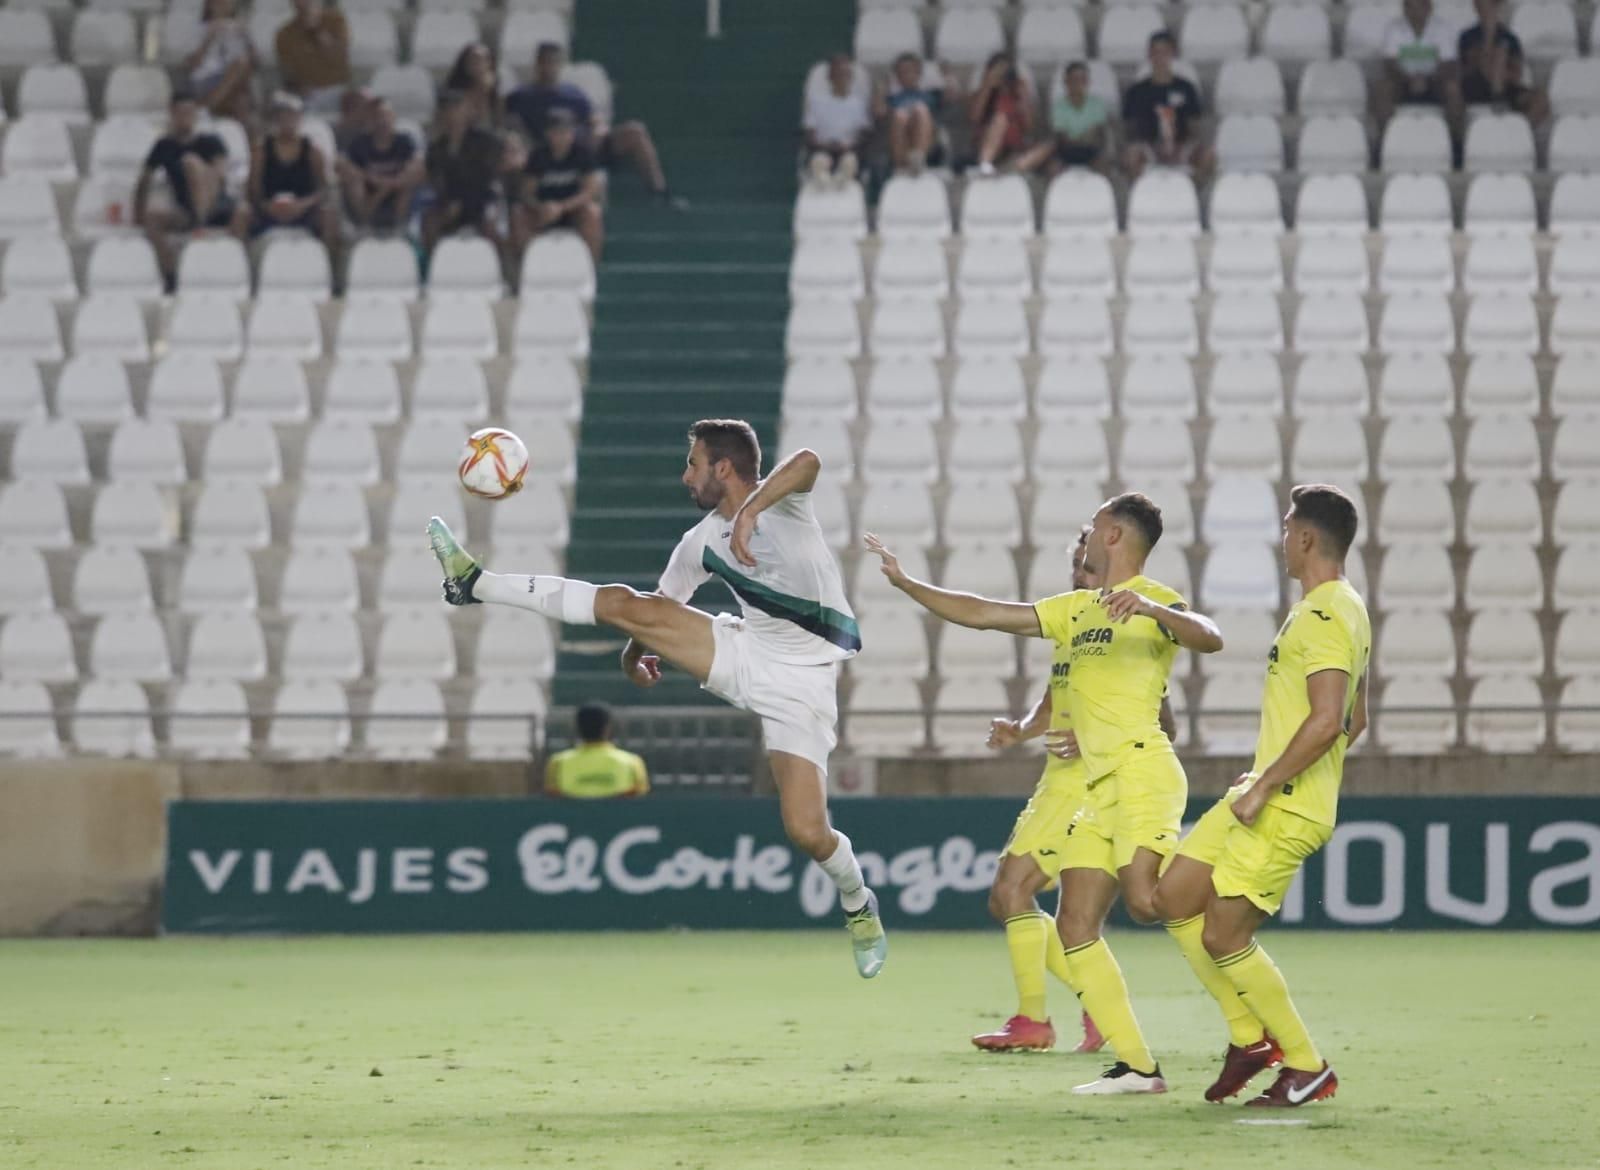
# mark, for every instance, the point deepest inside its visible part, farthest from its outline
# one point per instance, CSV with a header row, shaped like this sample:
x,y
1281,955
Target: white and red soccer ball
x,y
493,464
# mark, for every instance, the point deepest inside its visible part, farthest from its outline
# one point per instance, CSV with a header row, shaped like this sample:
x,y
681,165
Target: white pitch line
x,y
1272,1121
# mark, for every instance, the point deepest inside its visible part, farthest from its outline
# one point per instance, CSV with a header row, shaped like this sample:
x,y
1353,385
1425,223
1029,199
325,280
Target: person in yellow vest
x,y
596,769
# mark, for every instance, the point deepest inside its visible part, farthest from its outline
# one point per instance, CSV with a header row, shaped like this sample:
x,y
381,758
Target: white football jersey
x,y
793,596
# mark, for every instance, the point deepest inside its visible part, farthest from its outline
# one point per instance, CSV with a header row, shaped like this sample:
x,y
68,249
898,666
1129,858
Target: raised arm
x,y
963,609
1192,631
1322,726
797,473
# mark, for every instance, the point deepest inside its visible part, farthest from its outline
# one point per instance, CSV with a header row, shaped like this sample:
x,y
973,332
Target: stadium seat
x,y
450,386
111,325
1160,268
914,208
209,720
819,386
900,448
39,145
997,208
409,580
991,329
382,270
21,391
1125,31
1244,322
1417,385
1503,577
1249,143
1578,730
230,515
1333,451
967,36
1230,715
962,712
1331,145
1240,509
910,269
1240,576
558,263
1156,451
465,266
294,267
1330,384
124,265
270,387
968,654
185,388
1416,448
286,325
217,580
1245,447
1575,267
1574,144
1499,204
1163,203
1326,264
1330,204
997,269
130,646
110,579
26,585
243,449
415,645
1331,324
29,729
1415,205
1576,451
1415,511
27,206
227,644
1072,387
1417,265
1504,644
205,325
1156,387
1505,446
52,450
1332,88
1080,203
870,591
988,388
1079,266
1417,323
1245,385
513,643
1503,510
1546,29
1503,323
885,715
33,513
1050,35
117,151
406,720
341,451
1158,325
1415,143
26,38
882,34
1245,205
320,577
1417,644
1499,143
1577,577
1577,647
1575,326
132,513
380,330
825,268
459,327
900,509
1417,716
111,717
907,329
1574,82
1245,85
92,389
1245,263
29,329
840,213
39,266
101,39
1575,388
544,386
310,720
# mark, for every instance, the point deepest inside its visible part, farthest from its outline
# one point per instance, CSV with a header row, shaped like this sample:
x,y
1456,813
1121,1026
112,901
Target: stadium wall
x,y
82,842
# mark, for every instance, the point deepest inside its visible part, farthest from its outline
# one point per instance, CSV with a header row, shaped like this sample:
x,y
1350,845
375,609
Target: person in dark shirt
x,y
381,173
1160,116
195,166
532,104
1492,66
561,188
464,165
289,178
477,74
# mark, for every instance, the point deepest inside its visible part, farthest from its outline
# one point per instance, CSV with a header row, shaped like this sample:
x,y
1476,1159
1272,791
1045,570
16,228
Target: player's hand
x,y
1124,604
1004,733
644,671
891,563
1063,745
1247,805
744,527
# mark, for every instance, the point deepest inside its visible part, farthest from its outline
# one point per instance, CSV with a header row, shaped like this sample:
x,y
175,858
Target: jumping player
x,y
1236,864
1118,645
780,660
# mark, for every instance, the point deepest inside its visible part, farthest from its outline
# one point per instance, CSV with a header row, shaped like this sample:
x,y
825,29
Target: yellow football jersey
x,y
1327,629
1118,672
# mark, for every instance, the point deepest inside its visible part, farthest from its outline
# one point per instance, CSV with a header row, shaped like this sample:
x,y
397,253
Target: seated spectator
x,y
532,103
1079,125
1492,66
476,74
464,165
913,111
837,123
222,69
381,172
356,106
1160,116
560,189
1001,113
289,178
314,55
196,169
596,769
1419,65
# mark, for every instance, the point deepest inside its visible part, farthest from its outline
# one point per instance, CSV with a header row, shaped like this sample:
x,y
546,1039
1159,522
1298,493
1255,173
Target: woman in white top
x,y
222,70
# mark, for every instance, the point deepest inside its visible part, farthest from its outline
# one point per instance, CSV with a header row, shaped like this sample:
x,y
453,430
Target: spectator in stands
x,y
356,107
561,188
1001,113
289,178
596,769
913,112
532,103
314,55
1161,115
195,166
464,166
381,173
222,69
837,123
1490,55
477,74
1079,124
1420,65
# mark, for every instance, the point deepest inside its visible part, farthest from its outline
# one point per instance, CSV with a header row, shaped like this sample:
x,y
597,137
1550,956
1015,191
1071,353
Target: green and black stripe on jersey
x,y
830,625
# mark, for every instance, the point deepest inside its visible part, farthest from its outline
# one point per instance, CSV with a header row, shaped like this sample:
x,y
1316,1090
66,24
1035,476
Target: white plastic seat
x,y
415,645
1240,509
882,34
1415,143
983,512
1416,644
131,513
961,715
1577,577
1330,384
185,388
112,325
995,269
1504,446
110,579
548,326
1575,388
1416,448
271,387
310,720
450,386
1245,85
1519,726
1296,33
375,329
26,38
1156,387
984,568
33,513
1506,643
1080,203
21,391
27,205
26,585
374,39
558,263
1575,81
974,654
514,643
1157,268
907,329
1503,577
899,447
293,266
1332,144
93,389
991,329
124,265
460,327
1499,205
111,717
1050,35
286,325
383,270
1245,447
130,646
230,515
910,269
1241,576
117,151
243,449
39,145
217,580
1245,385
1547,29
1161,451
967,36
833,212
210,720
1576,451
1332,451
1575,326
1577,646
1332,87
1502,323
51,450
1326,264
319,578
206,325
1575,267
1246,263
227,644
997,208
1415,205
1417,323
1417,265
323,646
1064,451
1500,264
1330,204
1158,325
545,386
819,386
1163,203
824,268
362,390
1244,323
406,720
1230,711
1072,387
1418,577
36,647
1419,385
1417,715
39,266
330,514
1499,143
1247,206
1331,324
1076,328
214,266
465,266
29,329
988,388
1574,144
1059,509
914,208
1125,30
1415,511
885,715
438,36
1503,510
823,330
1249,143
29,729
102,39
409,580
1578,730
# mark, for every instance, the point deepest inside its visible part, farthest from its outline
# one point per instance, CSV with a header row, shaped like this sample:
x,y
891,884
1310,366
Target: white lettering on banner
x,y
548,872
314,868
262,872
366,876
1541,893
1391,903
1496,868
765,869
411,871
921,874
214,874
469,870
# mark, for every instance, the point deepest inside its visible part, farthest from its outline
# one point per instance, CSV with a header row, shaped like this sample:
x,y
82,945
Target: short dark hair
x,y
904,57
546,48
594,722
182,93
1162,36
1075,65
1330,511
1139,510
732,439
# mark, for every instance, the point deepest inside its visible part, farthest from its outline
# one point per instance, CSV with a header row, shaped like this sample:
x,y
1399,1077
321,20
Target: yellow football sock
x,y
1105,997
1025,938
1055,954
1243,1028
1260,984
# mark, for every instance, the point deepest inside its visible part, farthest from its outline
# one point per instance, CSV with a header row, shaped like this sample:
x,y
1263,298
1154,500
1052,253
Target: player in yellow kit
x,y
1235,866
1120,642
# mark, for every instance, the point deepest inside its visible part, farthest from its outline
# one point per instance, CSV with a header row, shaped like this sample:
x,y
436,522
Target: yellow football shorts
x,y
1256,861
1137,806
1044,823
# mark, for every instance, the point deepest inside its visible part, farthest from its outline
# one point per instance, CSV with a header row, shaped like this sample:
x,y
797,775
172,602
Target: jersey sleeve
x,y
1055,615
796,506
1329,642
684,573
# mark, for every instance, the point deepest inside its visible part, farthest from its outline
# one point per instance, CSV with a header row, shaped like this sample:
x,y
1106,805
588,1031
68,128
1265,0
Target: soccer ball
x,y
493,464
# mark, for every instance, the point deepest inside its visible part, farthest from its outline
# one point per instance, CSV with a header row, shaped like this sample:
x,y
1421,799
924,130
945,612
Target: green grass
x,y
746,1050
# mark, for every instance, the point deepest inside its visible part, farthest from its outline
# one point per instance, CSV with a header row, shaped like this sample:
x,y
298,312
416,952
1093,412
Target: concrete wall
x,y
81,842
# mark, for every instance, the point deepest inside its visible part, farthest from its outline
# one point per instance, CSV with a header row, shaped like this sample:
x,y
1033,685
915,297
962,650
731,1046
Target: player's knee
x,y
1007,899
621,605
1141,907
813,836
1162,904
1219,940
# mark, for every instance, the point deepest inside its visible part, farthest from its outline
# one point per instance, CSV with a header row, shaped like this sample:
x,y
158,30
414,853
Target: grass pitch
x,y
751,1050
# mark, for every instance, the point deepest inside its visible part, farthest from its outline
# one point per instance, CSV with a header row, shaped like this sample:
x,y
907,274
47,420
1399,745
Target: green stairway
x,y
691,308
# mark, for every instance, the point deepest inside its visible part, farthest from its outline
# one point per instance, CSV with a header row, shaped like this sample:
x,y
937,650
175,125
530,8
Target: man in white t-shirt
x,y
780,660
838,121
1419,52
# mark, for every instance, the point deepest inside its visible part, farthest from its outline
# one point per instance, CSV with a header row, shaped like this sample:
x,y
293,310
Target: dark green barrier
x,y
484,865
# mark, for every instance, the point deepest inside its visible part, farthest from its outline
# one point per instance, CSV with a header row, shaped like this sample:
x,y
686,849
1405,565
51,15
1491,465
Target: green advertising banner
x,y
488,865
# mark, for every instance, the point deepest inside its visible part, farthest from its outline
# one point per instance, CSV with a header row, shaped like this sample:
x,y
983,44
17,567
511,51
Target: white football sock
x,y
561,598
845,871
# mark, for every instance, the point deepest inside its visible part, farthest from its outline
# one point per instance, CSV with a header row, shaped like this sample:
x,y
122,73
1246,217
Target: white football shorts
x,y
798,703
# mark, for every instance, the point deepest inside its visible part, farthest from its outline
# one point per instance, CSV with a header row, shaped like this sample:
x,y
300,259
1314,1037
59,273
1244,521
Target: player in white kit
x,y
780,660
